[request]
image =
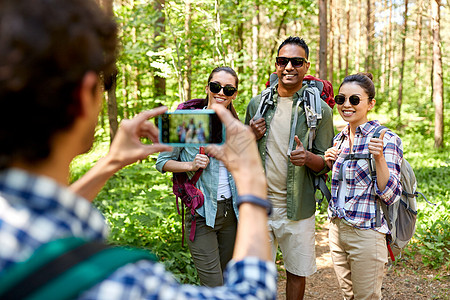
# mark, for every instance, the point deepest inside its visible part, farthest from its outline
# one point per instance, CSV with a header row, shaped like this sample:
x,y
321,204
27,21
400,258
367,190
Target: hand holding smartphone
x,y
183,128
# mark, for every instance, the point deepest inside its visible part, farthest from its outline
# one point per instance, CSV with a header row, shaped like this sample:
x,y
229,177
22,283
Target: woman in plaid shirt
x,y
358,246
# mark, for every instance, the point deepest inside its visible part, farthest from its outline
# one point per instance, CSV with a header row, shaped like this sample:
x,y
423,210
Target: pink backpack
x,y
183,187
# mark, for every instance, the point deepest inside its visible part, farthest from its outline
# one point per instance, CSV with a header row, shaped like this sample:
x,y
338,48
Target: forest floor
x,y
406,280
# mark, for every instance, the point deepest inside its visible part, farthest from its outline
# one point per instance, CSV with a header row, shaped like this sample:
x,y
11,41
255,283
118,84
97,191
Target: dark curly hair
x,y
295,40
46,48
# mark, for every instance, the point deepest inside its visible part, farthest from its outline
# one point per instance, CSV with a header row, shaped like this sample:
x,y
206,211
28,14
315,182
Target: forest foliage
x,y
179,44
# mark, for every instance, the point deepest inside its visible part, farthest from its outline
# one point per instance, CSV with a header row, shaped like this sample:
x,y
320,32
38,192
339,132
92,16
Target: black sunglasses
x,y
296,62
340,99
228,90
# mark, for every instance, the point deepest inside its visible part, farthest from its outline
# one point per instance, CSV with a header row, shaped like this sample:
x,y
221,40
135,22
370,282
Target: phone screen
x,y
191,127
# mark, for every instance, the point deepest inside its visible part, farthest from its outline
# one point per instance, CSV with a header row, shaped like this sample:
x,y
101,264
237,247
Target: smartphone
x,y
183,128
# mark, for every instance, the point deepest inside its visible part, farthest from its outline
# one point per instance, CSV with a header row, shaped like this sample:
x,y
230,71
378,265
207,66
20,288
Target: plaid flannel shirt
x,y
360,207
35,210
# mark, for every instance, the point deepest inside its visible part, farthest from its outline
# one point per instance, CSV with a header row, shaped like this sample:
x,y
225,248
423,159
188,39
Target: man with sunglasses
x,y
290,168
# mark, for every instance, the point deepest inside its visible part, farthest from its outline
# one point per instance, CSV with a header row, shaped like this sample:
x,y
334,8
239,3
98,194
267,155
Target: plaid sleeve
x,y
393,154
250,278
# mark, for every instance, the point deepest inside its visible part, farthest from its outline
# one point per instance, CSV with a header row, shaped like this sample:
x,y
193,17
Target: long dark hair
x,y
232,73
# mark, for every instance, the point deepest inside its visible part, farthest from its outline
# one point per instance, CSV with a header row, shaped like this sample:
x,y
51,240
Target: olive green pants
x,y
212,248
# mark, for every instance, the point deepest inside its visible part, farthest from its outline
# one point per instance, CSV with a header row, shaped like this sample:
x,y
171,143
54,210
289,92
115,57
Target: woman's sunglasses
x,y
340,99
296,62
228,90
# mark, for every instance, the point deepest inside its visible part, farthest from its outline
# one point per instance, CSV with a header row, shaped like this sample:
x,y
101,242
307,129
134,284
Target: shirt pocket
x,y
362,178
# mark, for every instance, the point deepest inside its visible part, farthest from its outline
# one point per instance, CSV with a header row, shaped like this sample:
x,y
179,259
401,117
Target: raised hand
x,y
200,161
127,147
299,155
376,145
331,155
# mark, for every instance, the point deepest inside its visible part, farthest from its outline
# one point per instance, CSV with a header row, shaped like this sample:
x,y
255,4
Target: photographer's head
x,y
52,53
222,88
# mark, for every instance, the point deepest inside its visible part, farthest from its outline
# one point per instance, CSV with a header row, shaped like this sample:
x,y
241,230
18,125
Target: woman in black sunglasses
x,y
357,240
216,221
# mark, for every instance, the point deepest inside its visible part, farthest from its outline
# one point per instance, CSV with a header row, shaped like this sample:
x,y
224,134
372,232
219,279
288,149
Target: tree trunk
x,y
417,43
390,65
347,36
125,92
111,95
323,39
369,53
384,50
255,36
438,85
358,36
187,51
240,41
159,86
338,22
402,61
331,39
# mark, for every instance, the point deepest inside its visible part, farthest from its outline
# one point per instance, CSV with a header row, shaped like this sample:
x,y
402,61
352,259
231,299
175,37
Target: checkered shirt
x,y
35,210
359,208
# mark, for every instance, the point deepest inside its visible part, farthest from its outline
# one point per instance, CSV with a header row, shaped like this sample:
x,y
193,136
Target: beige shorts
x,y
297,242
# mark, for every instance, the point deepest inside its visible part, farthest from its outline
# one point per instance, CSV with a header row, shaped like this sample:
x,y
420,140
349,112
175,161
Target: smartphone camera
x,y
191,128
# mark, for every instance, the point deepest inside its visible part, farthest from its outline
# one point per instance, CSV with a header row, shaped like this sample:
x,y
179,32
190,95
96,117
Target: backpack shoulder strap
x,y
63,268
312,103
266,98
376,133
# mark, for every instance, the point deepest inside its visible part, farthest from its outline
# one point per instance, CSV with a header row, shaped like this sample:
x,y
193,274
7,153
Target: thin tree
x,y
402,61
187,51
159,86
358,35
384,50
438,84
369,37
338,25
390,71
240,36
331,44
255,38
112,82
323,39
347,35
418,42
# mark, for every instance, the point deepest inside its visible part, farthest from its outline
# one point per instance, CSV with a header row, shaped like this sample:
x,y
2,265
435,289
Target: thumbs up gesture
x,y
299,155
376,145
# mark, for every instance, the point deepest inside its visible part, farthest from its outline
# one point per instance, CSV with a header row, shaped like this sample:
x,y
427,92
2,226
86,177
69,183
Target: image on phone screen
x,y
191,127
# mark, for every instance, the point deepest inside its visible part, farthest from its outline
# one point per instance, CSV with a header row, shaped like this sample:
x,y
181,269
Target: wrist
x,y
111,164
252,199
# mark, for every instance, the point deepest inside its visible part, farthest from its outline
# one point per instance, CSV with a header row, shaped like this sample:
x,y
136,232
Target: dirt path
x,y
405,281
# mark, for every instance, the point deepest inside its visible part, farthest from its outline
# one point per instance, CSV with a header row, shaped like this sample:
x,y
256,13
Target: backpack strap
x,y
378,202
313,107
62,269
321,185
265,103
